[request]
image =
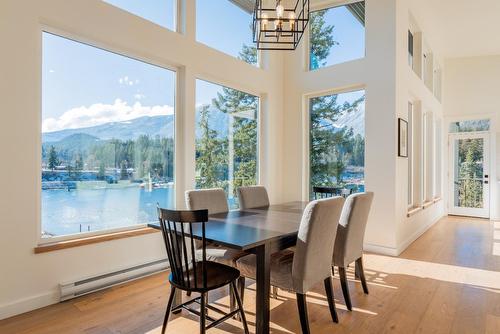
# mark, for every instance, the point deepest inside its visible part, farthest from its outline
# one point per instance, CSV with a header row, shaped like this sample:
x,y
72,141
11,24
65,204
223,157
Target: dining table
x,y
260,231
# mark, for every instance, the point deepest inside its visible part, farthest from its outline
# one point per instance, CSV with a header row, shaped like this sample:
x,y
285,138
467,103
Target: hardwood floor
x,y
448,281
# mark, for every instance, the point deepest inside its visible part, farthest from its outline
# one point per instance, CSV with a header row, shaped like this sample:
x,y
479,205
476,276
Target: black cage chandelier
x,y
279,24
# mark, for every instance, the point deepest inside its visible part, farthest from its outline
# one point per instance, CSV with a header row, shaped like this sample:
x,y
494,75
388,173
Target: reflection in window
x,y
337,35
107,139
226,138
470,125
226,27
161,12
337,142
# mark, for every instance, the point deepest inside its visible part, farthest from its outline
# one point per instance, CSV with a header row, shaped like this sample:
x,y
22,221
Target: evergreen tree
x,y
321,39
53,160
211,153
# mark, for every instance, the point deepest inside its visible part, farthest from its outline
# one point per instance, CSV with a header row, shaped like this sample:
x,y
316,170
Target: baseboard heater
x,y
92,284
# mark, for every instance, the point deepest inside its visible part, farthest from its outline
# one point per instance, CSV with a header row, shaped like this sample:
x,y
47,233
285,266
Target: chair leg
x,y
203,313
345,288
331,300
169,307
361,273
240,307
302,305
232,301
241,288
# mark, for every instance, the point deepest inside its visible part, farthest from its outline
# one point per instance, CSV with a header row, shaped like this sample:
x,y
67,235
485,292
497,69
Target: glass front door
x,y
469,179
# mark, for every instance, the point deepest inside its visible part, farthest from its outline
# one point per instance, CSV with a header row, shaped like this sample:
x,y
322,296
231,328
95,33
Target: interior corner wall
x,y
410,87
471,92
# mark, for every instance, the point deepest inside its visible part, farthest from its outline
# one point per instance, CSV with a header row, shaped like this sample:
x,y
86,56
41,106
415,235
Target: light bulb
x,y
280,10
291,17
264,21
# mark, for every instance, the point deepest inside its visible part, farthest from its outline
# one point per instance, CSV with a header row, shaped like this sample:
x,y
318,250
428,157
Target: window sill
x,y
54,246
427,204
413,211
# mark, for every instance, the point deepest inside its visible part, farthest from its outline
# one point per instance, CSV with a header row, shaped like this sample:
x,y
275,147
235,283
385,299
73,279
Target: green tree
x,y
470,173
211,153
101,174
53,160
321,39
248,54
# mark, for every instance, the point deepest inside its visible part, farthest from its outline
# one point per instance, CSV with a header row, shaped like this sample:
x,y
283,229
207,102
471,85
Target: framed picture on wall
x,y
402,138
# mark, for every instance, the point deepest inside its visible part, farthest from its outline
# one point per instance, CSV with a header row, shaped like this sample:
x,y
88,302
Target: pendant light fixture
x,y
279,24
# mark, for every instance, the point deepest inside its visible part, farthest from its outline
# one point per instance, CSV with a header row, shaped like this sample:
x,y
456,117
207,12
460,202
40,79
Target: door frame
x,y
471,212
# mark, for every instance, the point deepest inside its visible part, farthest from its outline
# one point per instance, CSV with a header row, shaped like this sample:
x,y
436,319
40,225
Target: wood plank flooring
x,y
448,281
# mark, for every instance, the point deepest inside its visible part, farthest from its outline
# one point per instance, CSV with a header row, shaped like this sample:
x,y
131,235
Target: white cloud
x,y
139,96
125,80
100,113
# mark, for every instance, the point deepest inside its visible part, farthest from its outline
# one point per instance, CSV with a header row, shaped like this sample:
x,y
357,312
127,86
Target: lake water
x,y
66,212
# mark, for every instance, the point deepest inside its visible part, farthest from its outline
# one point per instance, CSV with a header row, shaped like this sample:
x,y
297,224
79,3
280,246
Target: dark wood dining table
x,y
260,231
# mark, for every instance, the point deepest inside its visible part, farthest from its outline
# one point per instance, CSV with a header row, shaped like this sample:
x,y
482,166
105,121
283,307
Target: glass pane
x,y
160,12
226,138
337,35
337,142
107,138
226,27
470,126
469,170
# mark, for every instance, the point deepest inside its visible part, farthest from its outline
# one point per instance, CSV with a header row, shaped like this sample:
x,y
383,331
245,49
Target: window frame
x,y
260,104
307,34
44,28
306,135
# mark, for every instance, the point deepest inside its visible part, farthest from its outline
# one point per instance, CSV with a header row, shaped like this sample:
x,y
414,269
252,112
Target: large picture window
x,y
224,26
337,142
107,139
337,35
226,138
161,12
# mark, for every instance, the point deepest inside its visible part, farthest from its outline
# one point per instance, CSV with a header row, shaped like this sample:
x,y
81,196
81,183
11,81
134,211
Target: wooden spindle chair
x,y
325,192
180,229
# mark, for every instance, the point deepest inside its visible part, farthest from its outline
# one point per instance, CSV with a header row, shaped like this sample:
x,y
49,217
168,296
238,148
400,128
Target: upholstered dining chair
x,y
300,270
251,197
349,240
193,274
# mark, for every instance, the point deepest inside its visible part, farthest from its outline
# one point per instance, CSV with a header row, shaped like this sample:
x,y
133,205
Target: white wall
x,y
471,89
27,280
389,83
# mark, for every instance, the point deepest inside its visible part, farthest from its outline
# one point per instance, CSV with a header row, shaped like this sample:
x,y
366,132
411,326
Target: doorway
x,y
469,174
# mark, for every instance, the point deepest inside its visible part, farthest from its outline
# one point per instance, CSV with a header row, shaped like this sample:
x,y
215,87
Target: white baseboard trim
x,y
28,304
405,244
383,250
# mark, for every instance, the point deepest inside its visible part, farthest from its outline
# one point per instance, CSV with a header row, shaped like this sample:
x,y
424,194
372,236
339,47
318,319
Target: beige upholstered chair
x,y
349,240
300,270
214,200
252,197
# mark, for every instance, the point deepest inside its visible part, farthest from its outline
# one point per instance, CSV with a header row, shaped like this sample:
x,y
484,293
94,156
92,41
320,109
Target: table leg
x,y
263,288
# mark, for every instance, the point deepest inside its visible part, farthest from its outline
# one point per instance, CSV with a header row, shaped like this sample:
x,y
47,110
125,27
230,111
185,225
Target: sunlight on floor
x,y
496,235
443,272
496,225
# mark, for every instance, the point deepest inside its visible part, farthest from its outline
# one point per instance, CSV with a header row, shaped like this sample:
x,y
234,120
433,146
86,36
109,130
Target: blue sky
x,y
86,86
348,32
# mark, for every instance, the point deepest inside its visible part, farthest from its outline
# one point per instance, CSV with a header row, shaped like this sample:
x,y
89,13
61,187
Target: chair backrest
x,y
352,226
252,197
325,192
214,200
177,230
315,241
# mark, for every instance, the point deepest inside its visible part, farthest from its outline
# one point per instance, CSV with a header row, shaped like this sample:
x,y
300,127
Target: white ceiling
x,y
459,28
